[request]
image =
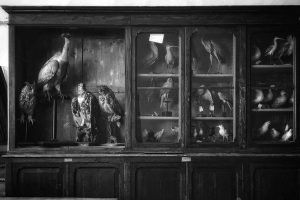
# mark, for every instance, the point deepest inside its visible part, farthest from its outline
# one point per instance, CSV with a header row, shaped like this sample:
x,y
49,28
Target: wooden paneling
x,y
95,180
38,181
276,182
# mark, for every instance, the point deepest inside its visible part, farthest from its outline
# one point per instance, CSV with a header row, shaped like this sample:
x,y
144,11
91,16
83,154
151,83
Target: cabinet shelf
x,y
212,75
157,75
155,88
213,118
284,66
273,110
157,118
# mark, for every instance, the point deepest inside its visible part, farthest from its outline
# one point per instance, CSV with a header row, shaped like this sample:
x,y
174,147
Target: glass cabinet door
x,y
272,84
212,85
158,86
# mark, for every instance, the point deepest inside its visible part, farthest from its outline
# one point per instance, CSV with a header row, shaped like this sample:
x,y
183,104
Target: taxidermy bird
x,y
152,57
165,91
55,70
27,102
214,51
264,128
170,57
111,109
159,134
85,110
259,96
274,133
287,135
225,100
203,93
280,100
269,96
285,49
223,132
270,51
255,55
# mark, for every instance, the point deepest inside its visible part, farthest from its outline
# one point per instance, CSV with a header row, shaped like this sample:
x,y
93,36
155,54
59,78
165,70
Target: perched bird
x,y
255,55
285,49
159,134
269,96
274,133
55,70
27,102
214,51
224,99
145,134
152,56
195,133
287,135
111,109
272,48
85,110
170,57
204,93
165,91
223,132
259,96
280,100
264,128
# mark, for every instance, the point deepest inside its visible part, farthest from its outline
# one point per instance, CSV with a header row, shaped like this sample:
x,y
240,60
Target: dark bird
x,y
165,91
111,109
214,51
170,56
27,102
225,100
55,70
280,100
264,128
270,51
285,49
85,110
152,56
255,55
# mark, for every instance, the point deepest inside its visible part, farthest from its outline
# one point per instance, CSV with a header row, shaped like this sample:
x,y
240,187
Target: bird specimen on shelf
x,y
223,132
259,97
225,101
203,93
159,134
214,50
280,100
270,51
111,110
27,102
85,110
152,56
274,133
255,55
288,133
268,98
170,57
54,71
285,49
264,128
165,91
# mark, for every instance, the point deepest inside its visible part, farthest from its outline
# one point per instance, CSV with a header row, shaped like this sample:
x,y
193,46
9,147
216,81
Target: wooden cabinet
x,y
159,103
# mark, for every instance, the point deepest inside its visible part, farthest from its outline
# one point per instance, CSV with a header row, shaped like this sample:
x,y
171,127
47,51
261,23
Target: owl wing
x,y
117,107
48,71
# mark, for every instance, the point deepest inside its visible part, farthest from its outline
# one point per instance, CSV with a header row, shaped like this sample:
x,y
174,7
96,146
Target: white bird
x,y
264,128
166,89
159,134
269,97
145,134
255,55
195,134
224,99
223,132
274,133
259,96
272,48
287,135
281,100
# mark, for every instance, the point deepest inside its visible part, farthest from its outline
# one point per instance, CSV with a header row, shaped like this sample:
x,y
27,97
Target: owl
x,y
85,111
110,109
27,102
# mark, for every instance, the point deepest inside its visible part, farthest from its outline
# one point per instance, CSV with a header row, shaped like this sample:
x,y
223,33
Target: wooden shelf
x,y
272,110
156,88
284,66
213,118
157,118
157,75
212,76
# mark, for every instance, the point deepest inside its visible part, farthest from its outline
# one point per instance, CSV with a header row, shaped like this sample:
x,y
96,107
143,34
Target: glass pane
x,y
212,86
158,87
272,86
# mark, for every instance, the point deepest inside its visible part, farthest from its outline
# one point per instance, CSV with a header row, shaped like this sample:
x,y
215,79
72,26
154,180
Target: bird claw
x,y
31,120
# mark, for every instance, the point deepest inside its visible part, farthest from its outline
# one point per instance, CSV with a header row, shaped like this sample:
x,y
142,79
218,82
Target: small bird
x,y
224,99
159,134
170,57
152,57
286,49
268,98
214,51
264,128
287,135
204,93
280,100
223,132
165,91
195,133
292,98
54,71
27,102
255,55
274,133
259,96
194,66
145,134
272,48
